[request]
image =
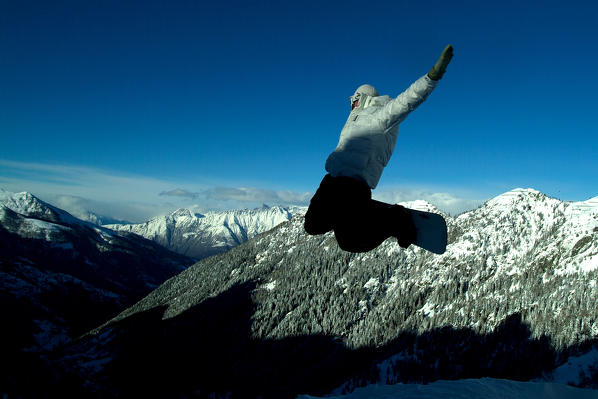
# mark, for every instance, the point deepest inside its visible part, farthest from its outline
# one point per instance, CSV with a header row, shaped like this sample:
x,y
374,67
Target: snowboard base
x,y
430,229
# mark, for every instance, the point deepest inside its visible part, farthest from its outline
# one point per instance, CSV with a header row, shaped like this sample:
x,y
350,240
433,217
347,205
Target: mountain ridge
x,y
202,235
46,254
511,298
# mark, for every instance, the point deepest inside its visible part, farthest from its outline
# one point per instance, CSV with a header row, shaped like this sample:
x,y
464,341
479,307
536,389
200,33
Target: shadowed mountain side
x,y
85,286
61,277
208,349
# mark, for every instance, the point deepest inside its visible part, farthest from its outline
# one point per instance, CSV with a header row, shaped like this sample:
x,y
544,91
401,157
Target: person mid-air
x,y
343,202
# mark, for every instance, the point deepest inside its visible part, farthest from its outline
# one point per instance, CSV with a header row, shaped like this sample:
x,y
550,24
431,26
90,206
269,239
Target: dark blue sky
x,y
254,94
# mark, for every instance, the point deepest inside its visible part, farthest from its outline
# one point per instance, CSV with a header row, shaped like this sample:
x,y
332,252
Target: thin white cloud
x,y
130,197
253,194
179,192
79,181
453,203
243,194
139,198
117,210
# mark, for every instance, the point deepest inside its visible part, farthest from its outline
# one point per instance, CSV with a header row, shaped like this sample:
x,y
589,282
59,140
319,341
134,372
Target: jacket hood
x,y
364,96
367,96
368,90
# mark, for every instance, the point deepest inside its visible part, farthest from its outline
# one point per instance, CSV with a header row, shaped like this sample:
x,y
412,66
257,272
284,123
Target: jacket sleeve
x,y
397,109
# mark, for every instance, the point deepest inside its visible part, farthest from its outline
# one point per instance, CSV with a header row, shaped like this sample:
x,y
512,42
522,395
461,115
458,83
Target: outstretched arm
x,y
398,109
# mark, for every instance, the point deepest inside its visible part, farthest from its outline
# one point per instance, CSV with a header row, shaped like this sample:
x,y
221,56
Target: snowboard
x,y
430,229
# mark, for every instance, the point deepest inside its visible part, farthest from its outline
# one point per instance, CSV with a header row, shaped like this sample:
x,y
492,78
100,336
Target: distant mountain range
x,y
100,220
199,236
286,313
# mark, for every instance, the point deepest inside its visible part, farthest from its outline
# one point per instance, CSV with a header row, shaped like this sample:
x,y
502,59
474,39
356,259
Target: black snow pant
x,y
360,224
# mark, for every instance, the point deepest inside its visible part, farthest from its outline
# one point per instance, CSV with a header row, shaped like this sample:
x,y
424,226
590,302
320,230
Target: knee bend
x,y
352,241
314,225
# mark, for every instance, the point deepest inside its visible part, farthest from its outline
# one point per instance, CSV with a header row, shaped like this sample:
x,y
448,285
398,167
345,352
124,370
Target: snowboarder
x,y
343,202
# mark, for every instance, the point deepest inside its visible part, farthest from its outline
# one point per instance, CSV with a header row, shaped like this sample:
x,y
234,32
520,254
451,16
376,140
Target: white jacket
x,y
368,138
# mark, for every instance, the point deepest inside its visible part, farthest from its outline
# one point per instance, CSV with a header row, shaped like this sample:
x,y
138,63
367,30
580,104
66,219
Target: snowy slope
x,y
484,388
199,236
513,297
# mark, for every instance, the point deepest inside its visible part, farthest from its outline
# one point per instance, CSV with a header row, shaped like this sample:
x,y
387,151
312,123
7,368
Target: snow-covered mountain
x,y
61,276
286,313
199,236
30,206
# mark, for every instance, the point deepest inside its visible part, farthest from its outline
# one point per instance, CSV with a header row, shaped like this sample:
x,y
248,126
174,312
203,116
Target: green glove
x,y
440,67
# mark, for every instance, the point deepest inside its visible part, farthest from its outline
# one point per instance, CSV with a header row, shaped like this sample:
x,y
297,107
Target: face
x,y
354,100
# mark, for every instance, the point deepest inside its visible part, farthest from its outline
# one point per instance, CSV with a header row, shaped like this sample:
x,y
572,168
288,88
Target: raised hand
x,y
440,67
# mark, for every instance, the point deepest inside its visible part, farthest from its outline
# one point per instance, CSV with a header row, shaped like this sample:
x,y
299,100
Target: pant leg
x,y
334,199
319,216
317,220
365,226
345,205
